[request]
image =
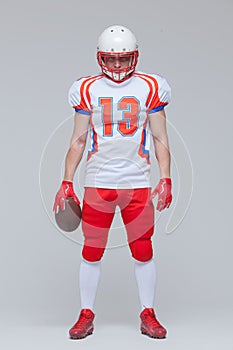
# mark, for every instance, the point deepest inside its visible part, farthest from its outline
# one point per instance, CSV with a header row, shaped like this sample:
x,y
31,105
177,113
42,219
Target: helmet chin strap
x,y
117,77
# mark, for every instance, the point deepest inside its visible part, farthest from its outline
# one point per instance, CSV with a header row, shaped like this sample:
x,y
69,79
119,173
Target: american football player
x,y
121,108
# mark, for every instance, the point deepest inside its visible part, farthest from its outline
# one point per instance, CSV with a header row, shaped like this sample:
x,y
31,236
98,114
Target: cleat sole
x,y
143,331
81,337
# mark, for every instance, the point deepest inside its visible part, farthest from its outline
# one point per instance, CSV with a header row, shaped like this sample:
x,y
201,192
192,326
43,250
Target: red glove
x,y
66,190
163,189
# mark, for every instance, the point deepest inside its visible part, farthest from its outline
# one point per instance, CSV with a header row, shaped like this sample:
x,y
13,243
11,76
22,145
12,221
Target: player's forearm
x,y
73,158
163,156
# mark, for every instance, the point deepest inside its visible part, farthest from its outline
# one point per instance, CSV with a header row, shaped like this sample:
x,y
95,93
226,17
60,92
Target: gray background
x,y
45,46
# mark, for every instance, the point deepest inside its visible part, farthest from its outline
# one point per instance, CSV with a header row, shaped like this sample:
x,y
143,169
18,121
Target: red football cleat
x,y
84,326
150,325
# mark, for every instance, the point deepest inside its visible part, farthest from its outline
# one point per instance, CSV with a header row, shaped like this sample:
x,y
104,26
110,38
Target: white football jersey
x,y
119,156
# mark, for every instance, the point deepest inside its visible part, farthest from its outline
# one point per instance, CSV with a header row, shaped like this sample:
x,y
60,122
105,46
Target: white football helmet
x,y
117,52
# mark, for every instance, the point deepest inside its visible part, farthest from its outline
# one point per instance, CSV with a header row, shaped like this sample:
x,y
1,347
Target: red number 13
x,y
130,114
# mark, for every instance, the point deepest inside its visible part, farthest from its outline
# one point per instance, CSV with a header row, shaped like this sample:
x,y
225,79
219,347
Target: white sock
x,y
145,273
89,274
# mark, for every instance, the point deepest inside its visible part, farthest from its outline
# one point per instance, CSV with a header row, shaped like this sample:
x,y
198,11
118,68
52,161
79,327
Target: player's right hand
x,y
66,190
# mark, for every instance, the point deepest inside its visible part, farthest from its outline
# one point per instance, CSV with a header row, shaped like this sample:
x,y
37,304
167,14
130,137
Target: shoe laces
x,y
151,319
84,318
82,321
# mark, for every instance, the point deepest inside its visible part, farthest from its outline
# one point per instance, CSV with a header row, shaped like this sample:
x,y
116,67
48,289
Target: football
x,y
69,219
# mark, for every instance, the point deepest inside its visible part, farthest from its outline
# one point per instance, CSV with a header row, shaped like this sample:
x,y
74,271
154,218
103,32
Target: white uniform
x,y
119,156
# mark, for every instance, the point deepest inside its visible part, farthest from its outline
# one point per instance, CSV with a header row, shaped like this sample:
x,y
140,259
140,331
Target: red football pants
x,y
137,211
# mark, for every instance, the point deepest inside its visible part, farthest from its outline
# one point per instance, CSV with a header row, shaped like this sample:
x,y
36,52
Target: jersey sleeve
x,y
160,95
77,97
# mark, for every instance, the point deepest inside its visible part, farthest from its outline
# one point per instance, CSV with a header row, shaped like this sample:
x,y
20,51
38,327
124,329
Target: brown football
x,y
69,219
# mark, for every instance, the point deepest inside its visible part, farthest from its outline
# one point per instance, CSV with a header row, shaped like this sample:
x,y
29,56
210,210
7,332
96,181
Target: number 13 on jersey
x,y
128,124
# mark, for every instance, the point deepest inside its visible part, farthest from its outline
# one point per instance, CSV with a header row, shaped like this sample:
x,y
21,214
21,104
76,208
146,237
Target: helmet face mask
x,y
117,53
117,66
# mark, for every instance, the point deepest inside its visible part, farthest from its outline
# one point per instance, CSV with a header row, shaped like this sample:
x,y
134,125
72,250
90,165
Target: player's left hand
x,y
163,189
